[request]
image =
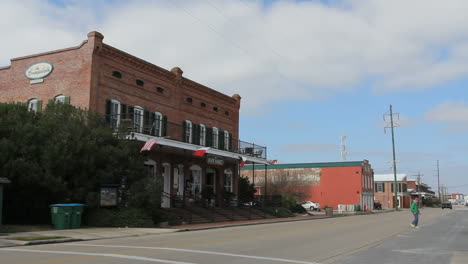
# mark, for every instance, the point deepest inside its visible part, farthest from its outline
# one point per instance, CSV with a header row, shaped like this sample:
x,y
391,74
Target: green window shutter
x,y
209,137
130,113
221,139
196,134
230,142
39,105
108,111
67,100
184,127
164,126
383,187
146,122
123,111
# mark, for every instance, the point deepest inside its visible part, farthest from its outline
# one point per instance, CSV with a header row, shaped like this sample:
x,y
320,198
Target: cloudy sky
x,y
308,71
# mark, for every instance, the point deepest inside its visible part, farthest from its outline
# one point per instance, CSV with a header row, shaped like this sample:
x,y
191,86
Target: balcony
x,y
188,133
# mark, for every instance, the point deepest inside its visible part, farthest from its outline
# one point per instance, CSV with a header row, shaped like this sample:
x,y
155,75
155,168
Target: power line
x,y
232,43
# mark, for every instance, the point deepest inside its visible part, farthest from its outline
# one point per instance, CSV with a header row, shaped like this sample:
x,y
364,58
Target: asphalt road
x,y
356,239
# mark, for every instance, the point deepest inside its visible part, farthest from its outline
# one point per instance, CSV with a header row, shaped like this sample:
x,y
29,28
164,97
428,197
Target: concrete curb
x,y
66,240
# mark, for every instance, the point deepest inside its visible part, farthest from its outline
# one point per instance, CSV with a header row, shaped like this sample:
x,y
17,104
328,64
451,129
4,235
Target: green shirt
x,y
414,207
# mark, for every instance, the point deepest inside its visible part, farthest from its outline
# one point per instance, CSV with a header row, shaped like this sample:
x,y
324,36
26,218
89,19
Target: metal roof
x,y
306,165
389,177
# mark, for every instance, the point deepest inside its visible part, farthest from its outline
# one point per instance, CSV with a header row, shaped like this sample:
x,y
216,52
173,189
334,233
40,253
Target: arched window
x,y
62,99
138,119
228,180
114,113
140,82
158,124
226,140
202,128
188,131
34,105
215,137
117,74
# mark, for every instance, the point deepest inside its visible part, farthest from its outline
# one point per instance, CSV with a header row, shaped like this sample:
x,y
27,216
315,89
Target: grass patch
x,y
23,228
35,238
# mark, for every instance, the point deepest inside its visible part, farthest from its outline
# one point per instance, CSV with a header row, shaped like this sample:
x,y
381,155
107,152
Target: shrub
x,y
278,211
161,215
125,217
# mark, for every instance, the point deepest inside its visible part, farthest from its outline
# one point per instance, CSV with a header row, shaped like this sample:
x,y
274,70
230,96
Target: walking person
x,y
415,211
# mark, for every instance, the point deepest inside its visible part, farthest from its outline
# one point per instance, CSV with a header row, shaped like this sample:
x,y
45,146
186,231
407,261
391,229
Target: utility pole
x,y
419,188
392,125
438,181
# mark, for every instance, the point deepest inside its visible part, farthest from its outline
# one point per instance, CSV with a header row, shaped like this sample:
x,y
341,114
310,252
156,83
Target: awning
x,y
183,145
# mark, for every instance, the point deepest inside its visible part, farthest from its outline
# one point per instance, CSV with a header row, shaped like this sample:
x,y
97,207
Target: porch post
x,y
266,172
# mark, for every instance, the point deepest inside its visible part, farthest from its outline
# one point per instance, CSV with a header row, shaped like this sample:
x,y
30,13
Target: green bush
x,y
161,215
125,217
277,211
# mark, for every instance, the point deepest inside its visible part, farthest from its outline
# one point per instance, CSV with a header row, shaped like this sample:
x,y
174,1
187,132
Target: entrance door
x,y
180,191
166,196
210,179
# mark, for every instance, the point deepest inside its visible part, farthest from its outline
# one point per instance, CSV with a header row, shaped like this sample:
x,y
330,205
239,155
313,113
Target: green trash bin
x,y
357,207
76,215
66,216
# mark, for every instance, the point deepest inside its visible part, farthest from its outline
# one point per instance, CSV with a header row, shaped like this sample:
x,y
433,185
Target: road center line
x,y
98,255
195,251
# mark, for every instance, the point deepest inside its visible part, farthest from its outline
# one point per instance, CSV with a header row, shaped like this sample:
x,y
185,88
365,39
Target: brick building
x,y
384,184
330,183
420,189
147,102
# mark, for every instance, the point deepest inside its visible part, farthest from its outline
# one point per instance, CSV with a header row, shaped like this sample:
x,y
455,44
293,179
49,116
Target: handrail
x,y
144,124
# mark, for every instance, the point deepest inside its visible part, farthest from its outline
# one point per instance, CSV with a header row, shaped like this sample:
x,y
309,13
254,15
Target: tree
x,y
246,189
62,154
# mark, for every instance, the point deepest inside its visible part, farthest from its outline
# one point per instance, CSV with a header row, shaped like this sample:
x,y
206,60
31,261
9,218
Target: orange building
x,y
328,184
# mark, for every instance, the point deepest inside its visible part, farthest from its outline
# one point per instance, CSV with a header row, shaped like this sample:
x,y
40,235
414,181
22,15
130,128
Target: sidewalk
x,y
81,234
84,234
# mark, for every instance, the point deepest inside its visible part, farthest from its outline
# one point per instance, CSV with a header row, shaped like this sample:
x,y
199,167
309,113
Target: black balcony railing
x,y
198,134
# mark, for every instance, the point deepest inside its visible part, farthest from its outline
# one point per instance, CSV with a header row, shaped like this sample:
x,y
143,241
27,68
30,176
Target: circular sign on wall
x,y
39,70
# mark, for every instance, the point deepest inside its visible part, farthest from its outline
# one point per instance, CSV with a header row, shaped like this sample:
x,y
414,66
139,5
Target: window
x,y
226,140
150,166
401,186
157,124
226,113
215,108
202,128
188,131
380,187
189,100
160,89
62,99
117,74
114,114
138,119
215,137
202,104
228,180
34,105
140,83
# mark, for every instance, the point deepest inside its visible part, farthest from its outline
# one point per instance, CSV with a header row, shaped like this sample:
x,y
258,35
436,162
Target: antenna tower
x,y
343,148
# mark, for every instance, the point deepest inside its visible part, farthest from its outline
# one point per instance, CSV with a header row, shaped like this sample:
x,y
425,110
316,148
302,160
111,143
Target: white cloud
x,y
286,51
453,113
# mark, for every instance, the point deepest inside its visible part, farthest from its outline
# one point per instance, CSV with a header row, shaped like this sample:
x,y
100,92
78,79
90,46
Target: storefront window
x,y
228,180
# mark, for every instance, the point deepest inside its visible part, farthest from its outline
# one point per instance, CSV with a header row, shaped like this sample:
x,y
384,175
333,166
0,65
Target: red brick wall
x,y
71,76
85,74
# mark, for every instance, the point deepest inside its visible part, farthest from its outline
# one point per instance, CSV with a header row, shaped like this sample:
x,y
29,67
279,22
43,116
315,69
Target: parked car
x,y
309,205
377,206
447,205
